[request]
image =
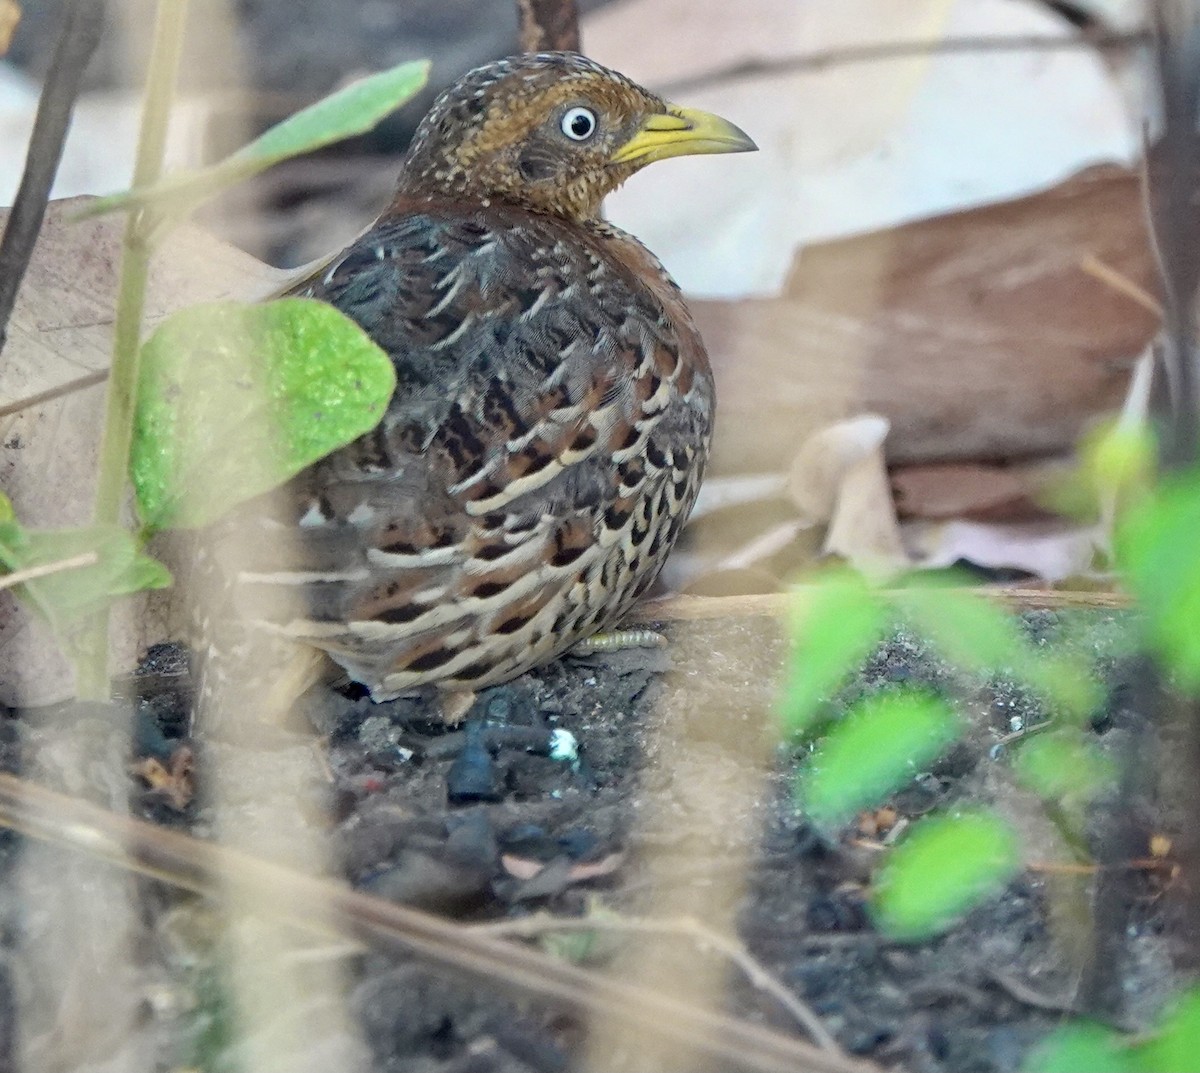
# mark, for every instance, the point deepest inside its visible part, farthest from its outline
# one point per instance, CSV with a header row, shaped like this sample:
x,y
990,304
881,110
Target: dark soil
x,y
678,805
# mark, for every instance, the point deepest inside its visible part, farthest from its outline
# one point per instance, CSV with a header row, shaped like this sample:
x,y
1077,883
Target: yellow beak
x,y
682,132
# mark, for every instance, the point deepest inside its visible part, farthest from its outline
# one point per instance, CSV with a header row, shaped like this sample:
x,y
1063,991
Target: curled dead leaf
x,y
839,477
821,465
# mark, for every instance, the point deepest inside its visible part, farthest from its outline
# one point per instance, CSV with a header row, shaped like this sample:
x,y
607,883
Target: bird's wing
x,y
533,377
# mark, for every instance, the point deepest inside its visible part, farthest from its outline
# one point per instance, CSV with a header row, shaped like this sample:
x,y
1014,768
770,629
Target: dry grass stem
x,y
31,573
1121,283
208,869
71,386
694,930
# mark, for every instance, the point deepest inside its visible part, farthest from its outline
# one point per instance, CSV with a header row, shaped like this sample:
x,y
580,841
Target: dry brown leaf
x,y
173,781
61,329
977,334
968,490
10,15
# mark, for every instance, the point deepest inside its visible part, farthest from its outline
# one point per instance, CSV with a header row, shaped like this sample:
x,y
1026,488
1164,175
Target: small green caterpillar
x,y
615,640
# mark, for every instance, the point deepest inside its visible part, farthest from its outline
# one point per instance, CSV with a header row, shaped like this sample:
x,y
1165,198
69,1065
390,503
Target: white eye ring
x,y
579,124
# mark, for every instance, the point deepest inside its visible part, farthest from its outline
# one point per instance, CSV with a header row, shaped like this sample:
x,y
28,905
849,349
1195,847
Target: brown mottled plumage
x,y
554,404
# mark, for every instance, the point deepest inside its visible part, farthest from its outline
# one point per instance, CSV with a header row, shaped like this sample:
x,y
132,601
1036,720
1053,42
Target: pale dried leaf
x,y
864,529
849,146
61,329
527,868
839,478
1052,550
823,463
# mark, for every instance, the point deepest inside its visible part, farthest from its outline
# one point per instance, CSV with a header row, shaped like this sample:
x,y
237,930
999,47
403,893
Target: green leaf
x,y
1083,1048
234,400
880,744
355,109
968,630
1064,766
7,514
942,869
835,624
348,112
66,597
1120,459
975,634
1157,545
1063,681
1176,1047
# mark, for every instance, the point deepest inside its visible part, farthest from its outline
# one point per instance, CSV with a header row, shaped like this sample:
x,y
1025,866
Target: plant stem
x,y
80,33
92,663
548,24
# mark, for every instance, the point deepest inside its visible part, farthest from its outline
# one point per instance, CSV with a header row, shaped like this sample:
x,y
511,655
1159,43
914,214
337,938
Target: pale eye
x,y
579,124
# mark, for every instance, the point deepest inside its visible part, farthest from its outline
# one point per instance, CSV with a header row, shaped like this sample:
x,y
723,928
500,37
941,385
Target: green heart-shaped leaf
x,y
234,400
945,866
879,746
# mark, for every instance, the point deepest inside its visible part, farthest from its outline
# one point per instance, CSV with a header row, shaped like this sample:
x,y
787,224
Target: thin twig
x,y
326,907
1121,283
697,932
899,50
83,23
50,394
1028,996
31,573
548,25
161,75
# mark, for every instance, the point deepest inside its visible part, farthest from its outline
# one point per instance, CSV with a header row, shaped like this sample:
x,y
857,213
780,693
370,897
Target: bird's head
x,y
553,131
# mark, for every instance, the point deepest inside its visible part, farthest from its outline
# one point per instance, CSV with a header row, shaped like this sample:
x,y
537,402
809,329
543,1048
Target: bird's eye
x,y
579,124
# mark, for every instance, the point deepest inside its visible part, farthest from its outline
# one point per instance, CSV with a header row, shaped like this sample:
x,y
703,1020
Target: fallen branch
x,y
777,604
